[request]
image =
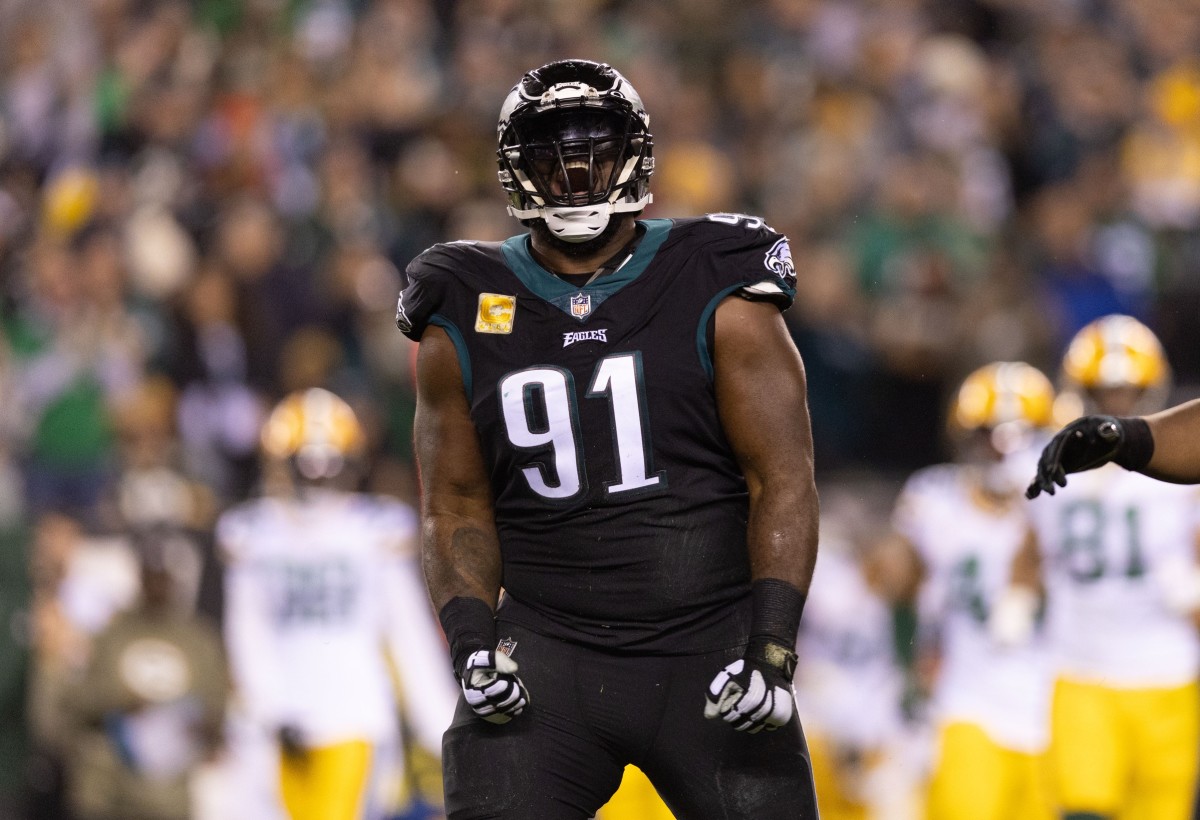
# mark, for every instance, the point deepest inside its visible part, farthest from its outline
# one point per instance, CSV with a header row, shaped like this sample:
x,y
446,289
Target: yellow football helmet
x,y
315,431
1115,351
1003,392
1005,399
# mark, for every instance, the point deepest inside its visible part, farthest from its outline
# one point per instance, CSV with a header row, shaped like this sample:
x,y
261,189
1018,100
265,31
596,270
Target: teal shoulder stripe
x,y
460,347
549,287
702,335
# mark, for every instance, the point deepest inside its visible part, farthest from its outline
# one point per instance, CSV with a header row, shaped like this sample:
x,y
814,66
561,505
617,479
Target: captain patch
x,y
496,312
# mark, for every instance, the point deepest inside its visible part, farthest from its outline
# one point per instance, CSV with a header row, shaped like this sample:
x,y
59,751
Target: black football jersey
x,y
620,508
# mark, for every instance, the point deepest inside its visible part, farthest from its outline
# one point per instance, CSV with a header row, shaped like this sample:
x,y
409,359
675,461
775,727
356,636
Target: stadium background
x,y
205,204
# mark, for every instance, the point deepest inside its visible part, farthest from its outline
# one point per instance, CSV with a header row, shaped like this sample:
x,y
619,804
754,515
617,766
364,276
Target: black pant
x,y
590,713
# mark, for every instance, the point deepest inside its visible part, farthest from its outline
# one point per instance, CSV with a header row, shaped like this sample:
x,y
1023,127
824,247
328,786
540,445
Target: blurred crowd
x,y
204,205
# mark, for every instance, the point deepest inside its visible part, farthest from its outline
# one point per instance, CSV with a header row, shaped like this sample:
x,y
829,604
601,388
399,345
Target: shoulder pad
x,y
426,283
237,526
936,481
747,250
923,488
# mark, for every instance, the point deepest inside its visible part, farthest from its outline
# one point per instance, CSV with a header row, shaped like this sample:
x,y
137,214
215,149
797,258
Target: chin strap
x,y
579,223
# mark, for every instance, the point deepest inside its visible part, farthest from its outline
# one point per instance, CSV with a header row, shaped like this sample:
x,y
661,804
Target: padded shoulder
x,y
744,250
432,279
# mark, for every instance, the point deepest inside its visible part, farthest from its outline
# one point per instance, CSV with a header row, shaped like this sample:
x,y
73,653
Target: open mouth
x,y
578,177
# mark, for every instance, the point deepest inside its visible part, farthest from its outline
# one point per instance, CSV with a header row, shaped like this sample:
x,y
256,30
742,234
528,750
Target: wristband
x,y
775,613
768,652
1137,445
470,625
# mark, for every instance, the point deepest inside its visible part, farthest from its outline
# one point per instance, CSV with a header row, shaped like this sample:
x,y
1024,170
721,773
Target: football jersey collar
x,y
551,288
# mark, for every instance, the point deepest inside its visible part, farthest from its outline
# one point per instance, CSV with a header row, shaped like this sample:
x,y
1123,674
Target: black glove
x,y
491,686
291,741
755,692
1088,443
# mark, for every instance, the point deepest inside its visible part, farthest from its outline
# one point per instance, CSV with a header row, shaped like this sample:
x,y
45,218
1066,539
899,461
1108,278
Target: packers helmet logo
x,y
581,305
496,312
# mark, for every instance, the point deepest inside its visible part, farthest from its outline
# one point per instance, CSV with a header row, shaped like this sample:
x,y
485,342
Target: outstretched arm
x,y
1176,433
1165,446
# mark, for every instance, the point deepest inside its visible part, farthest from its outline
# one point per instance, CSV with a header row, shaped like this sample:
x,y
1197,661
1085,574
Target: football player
x,y
964,524
850,684
611,424
321,587
1117,552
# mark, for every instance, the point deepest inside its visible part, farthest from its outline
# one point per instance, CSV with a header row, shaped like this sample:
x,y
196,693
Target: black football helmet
x,y
574,148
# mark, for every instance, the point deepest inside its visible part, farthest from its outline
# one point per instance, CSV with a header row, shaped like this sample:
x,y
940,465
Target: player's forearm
x,y
781,536
460,556
782,545
1176,433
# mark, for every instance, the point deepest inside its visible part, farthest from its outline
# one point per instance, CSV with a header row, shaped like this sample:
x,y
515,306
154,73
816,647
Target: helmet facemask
x,y
574,149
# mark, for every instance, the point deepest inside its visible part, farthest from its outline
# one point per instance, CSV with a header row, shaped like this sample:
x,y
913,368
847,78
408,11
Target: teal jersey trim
x,y
460,347
550,288
702,328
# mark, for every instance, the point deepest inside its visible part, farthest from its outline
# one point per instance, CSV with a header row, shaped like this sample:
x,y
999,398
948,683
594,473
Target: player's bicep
x,y
452,472
761,393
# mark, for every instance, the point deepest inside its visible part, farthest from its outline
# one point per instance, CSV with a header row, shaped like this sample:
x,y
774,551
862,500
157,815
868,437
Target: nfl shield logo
x,y
581,305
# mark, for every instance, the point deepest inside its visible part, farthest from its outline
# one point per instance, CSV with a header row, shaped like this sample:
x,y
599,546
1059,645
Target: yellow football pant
x,y
635,799
977,779
327,783
834,799
1127,753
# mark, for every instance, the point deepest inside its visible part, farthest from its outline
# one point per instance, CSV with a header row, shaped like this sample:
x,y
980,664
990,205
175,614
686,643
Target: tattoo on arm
x,y
465,563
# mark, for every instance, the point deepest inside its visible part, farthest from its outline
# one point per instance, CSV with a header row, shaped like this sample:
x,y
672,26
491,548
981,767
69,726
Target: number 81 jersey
x,y
1112,543
620,508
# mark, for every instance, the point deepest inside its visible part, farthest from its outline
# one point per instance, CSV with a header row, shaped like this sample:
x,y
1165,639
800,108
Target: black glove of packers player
x,y
291,741
491,686
755,692
1088,443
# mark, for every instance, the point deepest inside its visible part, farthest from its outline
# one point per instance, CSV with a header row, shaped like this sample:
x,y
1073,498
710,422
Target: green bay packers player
x,y
612,427
1117,556
850,683
321,586
964,525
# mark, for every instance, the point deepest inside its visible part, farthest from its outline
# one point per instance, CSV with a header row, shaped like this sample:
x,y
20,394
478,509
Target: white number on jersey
x,y
539,410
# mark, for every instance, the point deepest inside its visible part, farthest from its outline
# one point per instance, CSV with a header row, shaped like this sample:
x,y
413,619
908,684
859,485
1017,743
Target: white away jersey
x,y
848,681
1108,541
316,590
968,550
